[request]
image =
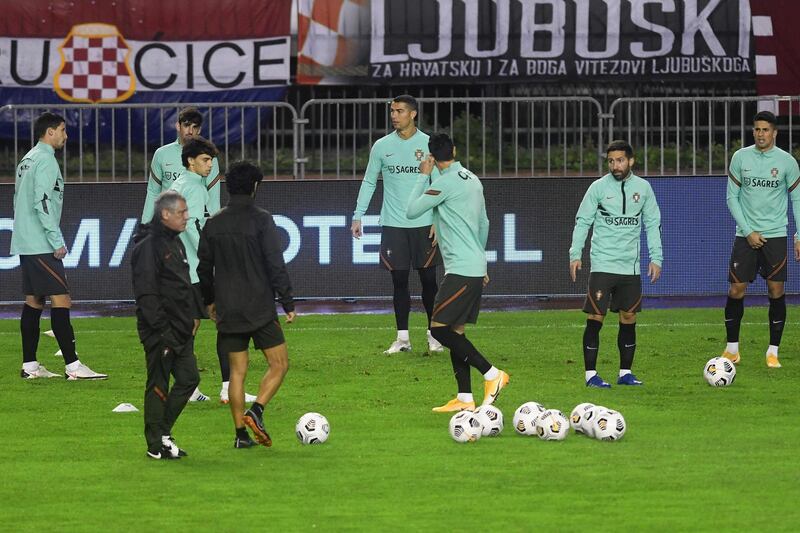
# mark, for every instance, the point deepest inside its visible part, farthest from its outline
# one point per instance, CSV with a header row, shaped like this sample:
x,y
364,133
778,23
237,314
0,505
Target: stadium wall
x,y
531,229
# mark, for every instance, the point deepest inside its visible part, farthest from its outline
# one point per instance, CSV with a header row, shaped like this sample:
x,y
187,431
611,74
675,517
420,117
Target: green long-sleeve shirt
x,y
397,160
191,187
758,186
38,200
459,213
617,210
165,168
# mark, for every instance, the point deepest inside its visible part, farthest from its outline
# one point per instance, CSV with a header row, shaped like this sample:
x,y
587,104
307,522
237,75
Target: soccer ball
x,y
609,425
465,427
576,417
552,425
525,418
719,372
491,419
312,428
588,418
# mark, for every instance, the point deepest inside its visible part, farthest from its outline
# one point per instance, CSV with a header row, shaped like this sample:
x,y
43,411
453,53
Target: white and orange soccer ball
x,y
552,425
525,418
491,419
465,427
312,428
719,372
576,417
609,425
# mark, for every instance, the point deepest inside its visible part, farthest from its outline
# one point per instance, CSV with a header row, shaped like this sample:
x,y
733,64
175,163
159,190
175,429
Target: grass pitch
x,y
694,457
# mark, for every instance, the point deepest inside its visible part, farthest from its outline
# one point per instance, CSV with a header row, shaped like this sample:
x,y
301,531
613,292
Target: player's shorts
x,y
622,291
458,300
267,336
769,261
404,248
43,275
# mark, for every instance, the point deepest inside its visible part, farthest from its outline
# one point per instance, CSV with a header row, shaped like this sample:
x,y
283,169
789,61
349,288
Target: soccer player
x,y
166,309
37,238
167,166
197,158
761,179
456,201
404,243
615,206
241,271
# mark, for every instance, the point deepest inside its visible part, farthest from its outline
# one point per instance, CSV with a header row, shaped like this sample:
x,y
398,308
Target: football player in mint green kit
x,y
404,243
37,238
459,212
197,157
167,165
615,206
762,178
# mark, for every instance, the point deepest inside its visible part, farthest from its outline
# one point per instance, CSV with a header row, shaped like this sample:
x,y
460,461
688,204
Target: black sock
x,y
462,346
777,319
242,433
257,408
461,371
626,341
224,362
734,311
65,335
427,276
29,327
591,343
401,299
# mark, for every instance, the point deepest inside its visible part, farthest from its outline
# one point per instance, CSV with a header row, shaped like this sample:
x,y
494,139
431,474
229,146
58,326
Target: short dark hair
x,y
195,147
407,99
44,122
190,115
242,177
766,116
620,146
441,147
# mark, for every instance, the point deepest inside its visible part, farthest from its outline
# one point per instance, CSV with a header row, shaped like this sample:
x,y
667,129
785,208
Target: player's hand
x,y
355,229
653,272
212,312
61,253
196,326
485,280
426,167
574,266
290,316
755,240
796,249
432,235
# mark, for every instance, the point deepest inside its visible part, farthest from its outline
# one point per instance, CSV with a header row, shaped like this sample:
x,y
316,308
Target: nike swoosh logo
x,y
609,197
745,170
388,155
777,321
590,348
167,164
630,345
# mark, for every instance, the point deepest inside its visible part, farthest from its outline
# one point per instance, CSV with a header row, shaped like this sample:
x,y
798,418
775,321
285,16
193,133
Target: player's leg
x,y
464,399
598,295
741,272
272,343
159,365
196,395
235,346
772,262
626,300
425,258
225,372
29,330
427,277
184,370
396,258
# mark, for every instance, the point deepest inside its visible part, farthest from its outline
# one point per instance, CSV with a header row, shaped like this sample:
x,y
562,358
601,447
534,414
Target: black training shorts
x,y
405,248
458,300
769,261
267,336
43,275
622,291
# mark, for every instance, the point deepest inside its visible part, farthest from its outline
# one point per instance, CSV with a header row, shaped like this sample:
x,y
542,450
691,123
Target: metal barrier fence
x,y
679,136
331,138
498,137
116,142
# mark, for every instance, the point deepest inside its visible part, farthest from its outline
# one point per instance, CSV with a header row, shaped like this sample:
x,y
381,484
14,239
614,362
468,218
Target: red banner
x,y
777,44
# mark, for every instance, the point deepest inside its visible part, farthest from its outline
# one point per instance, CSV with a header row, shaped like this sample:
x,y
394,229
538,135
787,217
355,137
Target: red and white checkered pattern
x,y
94,69
330,34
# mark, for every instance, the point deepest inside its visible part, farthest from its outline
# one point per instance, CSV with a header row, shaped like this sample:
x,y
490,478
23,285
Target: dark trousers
x,y
162,404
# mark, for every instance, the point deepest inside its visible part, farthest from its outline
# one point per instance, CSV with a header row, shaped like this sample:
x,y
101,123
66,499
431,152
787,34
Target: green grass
x,y
694,457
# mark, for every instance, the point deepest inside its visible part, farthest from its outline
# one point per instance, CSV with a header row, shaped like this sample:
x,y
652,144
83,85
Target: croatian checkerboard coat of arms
x,y
94,65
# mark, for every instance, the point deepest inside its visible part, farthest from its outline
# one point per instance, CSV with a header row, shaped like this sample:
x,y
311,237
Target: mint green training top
x,y
759,185
459,215
616,210
38,200
165,169
191,187
397,160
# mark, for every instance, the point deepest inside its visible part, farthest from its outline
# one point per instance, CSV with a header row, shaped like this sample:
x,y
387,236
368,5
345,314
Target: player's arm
x,y
276,267
732,196
584,219
793,184
651,216
213,188
483,228
45,176
196,202
205,268
146,291
367,189
154,181
424,196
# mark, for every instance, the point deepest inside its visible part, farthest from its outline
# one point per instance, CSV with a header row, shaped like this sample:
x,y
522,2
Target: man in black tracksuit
x,y
167,309
241,270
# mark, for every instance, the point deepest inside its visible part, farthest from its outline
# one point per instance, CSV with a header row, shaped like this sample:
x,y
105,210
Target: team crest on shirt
x,y
636,197
418,154
774,172
598,295
389,252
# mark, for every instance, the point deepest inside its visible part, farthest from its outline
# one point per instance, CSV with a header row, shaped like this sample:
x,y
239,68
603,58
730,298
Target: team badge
x,y
94,65
636,197
418,154
389,252
598,295
774,172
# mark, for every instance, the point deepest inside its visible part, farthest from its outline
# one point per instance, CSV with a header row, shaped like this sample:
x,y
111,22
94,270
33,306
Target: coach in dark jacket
x,y
241,272
166,309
